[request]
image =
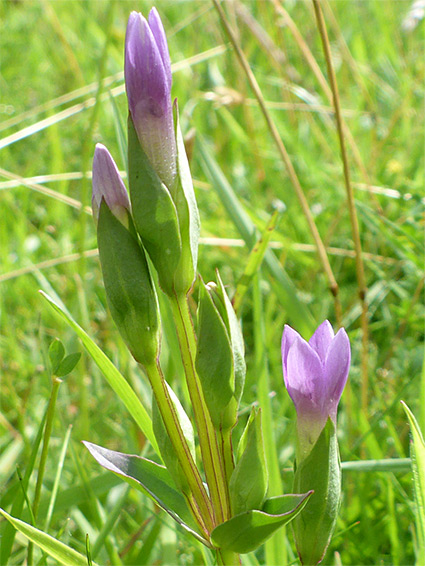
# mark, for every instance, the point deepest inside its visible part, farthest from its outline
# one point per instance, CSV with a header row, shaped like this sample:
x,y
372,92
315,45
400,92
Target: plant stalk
x,y
361,280
199,504
213,466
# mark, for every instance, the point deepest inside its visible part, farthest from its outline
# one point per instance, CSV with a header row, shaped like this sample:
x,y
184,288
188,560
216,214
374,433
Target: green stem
x,y
199,504
227,455
43,458
228,558
213,465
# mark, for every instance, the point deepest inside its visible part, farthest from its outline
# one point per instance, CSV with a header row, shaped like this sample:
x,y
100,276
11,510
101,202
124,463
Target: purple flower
x,y
107,184
315,374
148,83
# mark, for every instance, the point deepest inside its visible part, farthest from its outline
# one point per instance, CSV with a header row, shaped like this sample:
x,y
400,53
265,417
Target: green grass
x,y
52,57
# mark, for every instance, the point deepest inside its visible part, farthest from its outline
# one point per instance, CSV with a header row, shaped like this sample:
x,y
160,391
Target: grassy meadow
x,y
62,91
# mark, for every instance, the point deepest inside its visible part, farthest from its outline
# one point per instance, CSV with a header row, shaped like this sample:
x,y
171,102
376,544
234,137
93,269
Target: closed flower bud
x,y
108,184
148,84
131,296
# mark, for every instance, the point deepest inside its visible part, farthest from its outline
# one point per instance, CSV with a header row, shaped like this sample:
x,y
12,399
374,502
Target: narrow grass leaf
x,y
54,548
418,466
112,375
255,258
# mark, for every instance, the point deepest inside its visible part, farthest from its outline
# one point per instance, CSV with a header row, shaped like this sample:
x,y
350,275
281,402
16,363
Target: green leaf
x,y
249,480
154,212
297,310
131,296
417,451
149,478
111,374
320,471
188,215
247,531
56,354
54,548
68,364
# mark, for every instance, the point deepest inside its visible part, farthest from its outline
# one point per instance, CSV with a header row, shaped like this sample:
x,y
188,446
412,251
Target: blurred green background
x,y
61,89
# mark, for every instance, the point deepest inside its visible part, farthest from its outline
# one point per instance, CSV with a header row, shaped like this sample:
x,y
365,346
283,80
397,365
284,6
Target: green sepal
x,y
249,480
131,296
320,471
166,448
247,531
154,212
236,337
214,362
149,478
187,211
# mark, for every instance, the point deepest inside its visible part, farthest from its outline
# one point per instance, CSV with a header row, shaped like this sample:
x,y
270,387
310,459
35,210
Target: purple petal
x,y
158,31
107,183
322,339
337,366
305,380
288,337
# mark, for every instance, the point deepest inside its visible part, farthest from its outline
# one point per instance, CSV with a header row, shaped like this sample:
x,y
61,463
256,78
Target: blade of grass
x,y
54,548
418,466
254,261
57,479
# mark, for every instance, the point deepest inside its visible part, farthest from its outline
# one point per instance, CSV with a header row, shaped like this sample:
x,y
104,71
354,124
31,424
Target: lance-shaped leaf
x,y
129,290
188,215
154,213
249,481
165,445
319,471
149,478
247,531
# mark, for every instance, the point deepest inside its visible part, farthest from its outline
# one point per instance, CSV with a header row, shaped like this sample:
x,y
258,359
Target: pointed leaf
x,y
247,531
111,374
54,548
149,478
68,364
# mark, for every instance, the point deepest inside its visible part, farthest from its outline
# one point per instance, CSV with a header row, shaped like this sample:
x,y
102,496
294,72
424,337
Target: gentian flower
x,y
315,374
107,184
148,83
